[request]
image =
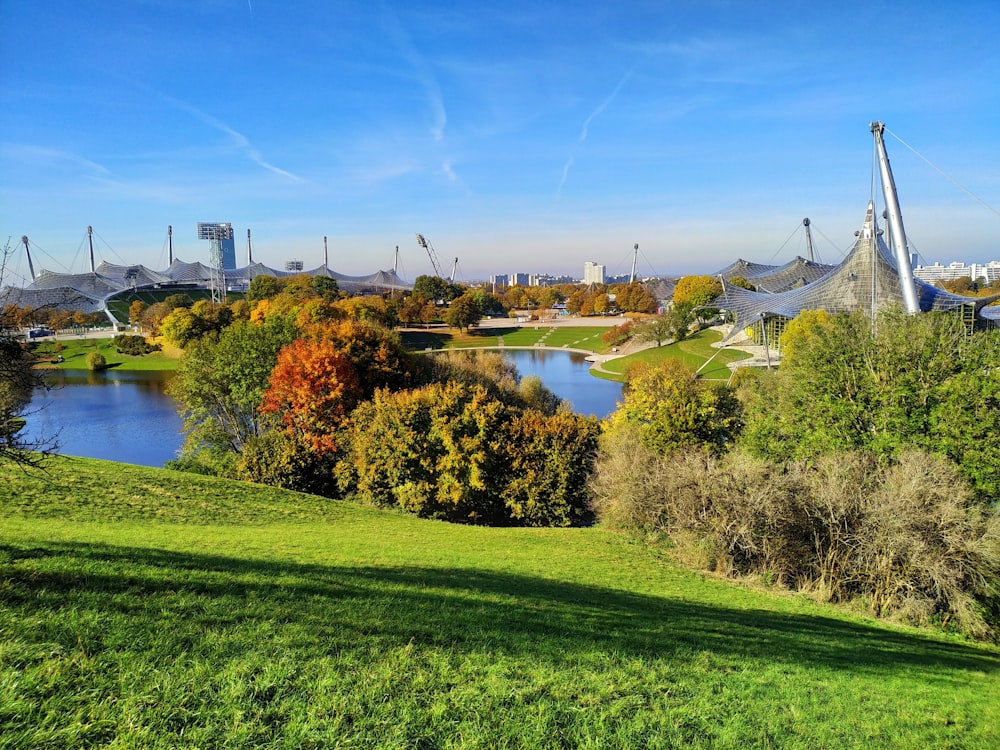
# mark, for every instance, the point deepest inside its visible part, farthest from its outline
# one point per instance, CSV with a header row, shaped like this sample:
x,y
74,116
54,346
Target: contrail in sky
x,y
585,131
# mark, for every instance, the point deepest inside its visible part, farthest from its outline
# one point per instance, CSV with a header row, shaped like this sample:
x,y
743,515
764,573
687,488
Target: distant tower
x,y
222,253
249,250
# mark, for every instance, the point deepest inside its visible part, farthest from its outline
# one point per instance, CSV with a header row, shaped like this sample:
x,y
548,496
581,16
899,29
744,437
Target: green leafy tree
x,y
18,382
432,288
220,383
670,408
463,312
908,381
262,287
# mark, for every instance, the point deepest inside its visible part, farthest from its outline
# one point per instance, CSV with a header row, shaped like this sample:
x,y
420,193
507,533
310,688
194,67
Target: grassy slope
x,y
694,351
573,337
145,608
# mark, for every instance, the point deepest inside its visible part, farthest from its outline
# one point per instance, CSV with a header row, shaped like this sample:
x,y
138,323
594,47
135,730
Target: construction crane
x,y
426,245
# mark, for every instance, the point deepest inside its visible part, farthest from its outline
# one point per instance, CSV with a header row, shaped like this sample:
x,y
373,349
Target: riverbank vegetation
x,y
147,607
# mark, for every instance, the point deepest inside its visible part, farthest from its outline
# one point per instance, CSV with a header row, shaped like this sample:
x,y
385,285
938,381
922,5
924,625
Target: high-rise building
x,y
593,273
519,279
222,252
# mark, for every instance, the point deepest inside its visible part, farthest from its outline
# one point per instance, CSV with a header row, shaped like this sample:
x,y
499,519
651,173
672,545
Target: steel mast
x,y
809,239
31,268
897,237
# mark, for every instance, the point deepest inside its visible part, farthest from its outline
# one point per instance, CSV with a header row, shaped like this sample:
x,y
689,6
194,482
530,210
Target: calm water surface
x,y
128,416
118,416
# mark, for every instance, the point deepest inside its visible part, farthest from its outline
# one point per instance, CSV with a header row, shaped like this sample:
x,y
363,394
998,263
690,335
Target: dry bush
x,y
908,540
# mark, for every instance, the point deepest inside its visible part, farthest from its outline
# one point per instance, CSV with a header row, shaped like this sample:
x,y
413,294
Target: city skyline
x,y
518,137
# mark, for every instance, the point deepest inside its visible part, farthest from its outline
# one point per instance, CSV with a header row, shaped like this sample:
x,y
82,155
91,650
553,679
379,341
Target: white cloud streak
x,y
239,141
585,130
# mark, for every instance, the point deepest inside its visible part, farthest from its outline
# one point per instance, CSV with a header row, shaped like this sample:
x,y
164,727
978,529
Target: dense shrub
x,y
904,538
279,459
136,346
670,408
96,361
904,382
456,452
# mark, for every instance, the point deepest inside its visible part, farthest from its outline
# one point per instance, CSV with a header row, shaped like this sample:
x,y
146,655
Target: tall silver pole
x,y
170,244
249,250
326,255
90,239
896,234
635,255
809,240
31,268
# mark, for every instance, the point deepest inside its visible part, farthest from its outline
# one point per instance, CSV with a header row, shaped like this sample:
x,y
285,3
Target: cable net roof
x,y
867,279
90,292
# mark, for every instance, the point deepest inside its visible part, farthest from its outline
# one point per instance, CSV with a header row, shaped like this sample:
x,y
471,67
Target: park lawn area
x,y
75,350
532,334
694,351
149,608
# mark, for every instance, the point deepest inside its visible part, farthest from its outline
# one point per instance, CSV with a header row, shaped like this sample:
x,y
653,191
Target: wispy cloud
x,y
239,141
420,70
35,154
585,130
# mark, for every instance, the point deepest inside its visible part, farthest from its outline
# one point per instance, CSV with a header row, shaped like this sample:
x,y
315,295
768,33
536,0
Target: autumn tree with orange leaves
x,y
312,388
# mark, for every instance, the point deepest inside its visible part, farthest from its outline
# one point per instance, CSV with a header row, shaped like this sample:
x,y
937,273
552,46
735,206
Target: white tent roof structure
x,y
868,279
90,292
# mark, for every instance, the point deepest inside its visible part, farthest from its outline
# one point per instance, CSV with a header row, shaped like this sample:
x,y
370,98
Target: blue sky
x,y
517,136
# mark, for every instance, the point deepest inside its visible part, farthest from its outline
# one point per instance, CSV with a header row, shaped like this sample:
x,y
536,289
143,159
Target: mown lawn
x,y
74,351
533,334
694,351
148,608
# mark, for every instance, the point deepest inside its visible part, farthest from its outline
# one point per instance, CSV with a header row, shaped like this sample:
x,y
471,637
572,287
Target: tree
x,y
430,451
463,312
671,409
326,287
431,288
135,311
698,292
374,351
262,287
180,327
661,328
18,382
908,381
220,384
312,388
635,297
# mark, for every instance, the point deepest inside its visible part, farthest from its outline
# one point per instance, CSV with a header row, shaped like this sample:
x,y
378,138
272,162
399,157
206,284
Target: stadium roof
x,y
90,292
868,279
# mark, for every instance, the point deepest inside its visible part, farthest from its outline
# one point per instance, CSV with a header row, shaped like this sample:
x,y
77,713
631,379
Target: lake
x,y
128,416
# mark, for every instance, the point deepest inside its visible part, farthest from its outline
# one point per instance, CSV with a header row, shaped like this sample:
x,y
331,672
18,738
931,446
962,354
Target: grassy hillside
x,y
694,351
146,608
534,334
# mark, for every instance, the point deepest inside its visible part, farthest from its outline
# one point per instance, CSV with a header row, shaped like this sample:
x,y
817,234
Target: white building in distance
x,y
958,270
593,273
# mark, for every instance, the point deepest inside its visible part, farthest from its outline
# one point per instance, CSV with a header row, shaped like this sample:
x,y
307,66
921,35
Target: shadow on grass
x,y
463,610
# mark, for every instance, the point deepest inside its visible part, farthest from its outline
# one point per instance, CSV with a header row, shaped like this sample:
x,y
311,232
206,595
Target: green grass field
x,y
147,608
533,334
74,352
694,351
